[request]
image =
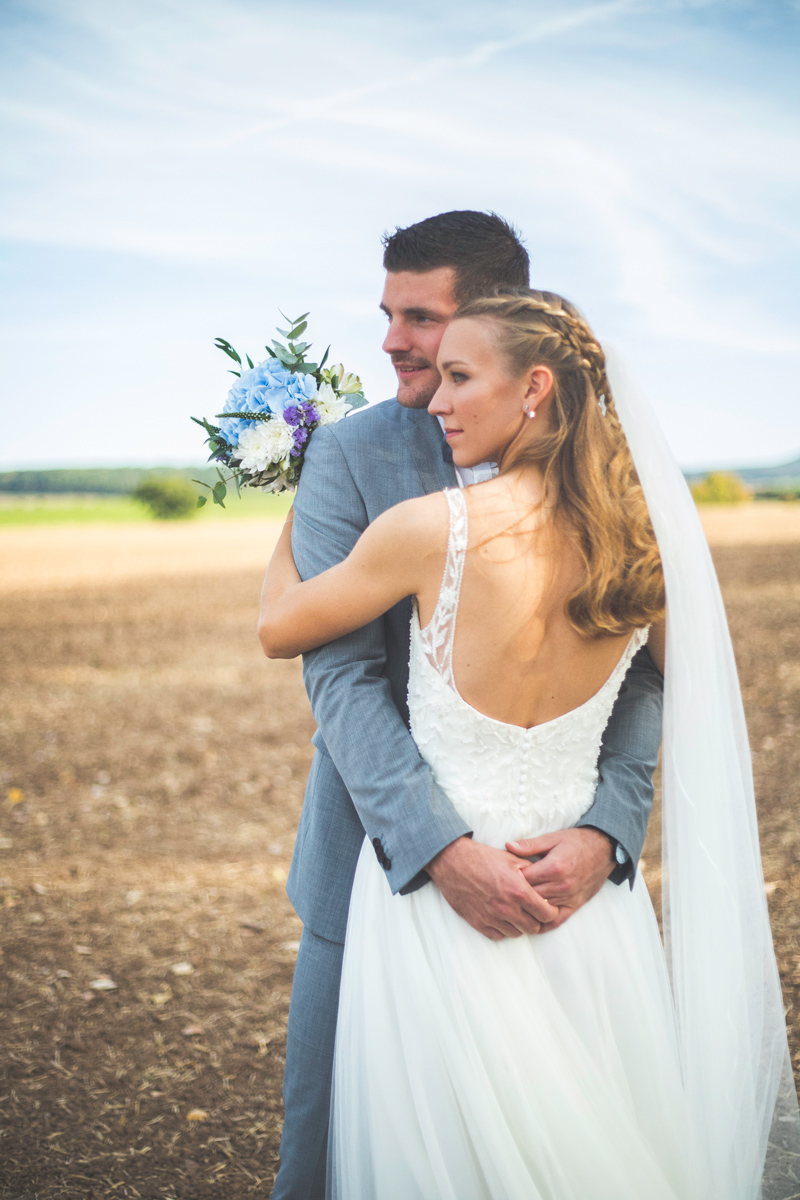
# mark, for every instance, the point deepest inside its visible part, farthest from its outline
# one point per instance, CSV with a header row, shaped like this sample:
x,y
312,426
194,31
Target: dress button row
x,y
522,794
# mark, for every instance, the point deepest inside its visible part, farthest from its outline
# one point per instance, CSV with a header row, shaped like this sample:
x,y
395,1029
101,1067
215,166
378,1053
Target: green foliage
x,y
720,487
168,499
87,508
787,493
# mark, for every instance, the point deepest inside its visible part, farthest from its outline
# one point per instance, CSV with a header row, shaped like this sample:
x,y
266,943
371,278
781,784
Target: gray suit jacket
x,y
367,775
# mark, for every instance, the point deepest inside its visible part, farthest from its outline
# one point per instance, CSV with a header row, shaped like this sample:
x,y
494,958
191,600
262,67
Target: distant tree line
x,y
107,481
717,487
724,487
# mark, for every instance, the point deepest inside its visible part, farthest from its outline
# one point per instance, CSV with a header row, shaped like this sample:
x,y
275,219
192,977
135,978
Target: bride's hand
x,y
572,867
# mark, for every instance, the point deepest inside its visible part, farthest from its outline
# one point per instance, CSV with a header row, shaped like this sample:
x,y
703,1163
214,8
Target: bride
x,y
583,1063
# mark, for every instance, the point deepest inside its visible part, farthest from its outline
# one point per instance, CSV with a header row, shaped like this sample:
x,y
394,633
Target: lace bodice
x,y
506,781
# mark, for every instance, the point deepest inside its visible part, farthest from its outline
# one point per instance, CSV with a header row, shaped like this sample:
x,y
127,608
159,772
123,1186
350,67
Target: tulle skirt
x,y
535,1067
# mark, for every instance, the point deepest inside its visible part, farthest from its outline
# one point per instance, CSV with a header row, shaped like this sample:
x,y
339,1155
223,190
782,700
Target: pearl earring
x,y
531,412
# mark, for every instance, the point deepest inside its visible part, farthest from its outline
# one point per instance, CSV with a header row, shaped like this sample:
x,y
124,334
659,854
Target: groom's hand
x,y
487,887
574,865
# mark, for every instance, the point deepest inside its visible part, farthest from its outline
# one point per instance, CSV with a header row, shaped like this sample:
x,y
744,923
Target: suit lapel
x,y
424,437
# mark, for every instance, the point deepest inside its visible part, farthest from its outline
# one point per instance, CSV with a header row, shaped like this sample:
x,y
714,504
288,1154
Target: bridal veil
x,y
730,1013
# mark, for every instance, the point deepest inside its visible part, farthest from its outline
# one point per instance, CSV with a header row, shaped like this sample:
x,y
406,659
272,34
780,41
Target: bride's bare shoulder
x,y
424,520
414,531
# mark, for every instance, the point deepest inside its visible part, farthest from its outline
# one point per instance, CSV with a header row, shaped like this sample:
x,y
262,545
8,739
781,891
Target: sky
x,y
177,170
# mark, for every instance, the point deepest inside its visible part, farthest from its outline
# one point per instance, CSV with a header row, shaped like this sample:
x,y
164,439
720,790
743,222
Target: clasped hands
x,y
501,893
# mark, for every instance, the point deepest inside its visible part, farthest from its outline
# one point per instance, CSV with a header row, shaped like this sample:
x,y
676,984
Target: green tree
x,y
168,499
719,487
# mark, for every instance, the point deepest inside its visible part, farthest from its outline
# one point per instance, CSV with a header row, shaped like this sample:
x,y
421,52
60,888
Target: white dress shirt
x,y
477,474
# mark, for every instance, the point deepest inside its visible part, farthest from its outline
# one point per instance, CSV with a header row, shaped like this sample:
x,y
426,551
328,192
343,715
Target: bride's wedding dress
x,y
536,1067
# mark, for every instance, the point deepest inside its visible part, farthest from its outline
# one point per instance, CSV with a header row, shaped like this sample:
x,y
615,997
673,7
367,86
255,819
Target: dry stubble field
x,y
152,768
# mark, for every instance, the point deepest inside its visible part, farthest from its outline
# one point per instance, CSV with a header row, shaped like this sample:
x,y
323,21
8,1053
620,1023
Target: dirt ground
x,y
152,767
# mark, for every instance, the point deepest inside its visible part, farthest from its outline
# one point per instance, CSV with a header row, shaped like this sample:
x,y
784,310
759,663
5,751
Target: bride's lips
x,y
448,433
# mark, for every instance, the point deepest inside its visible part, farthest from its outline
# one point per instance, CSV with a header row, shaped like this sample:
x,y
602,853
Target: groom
x,y
367,777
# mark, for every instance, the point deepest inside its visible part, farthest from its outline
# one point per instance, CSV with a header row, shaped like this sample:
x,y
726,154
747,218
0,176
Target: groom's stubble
x,y
419,305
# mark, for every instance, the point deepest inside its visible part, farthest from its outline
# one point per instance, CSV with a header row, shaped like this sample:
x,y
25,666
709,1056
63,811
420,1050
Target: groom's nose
x,y
398,338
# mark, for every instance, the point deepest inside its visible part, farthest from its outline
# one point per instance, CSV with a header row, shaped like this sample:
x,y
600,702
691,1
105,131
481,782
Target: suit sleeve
x,y
628,758
407,817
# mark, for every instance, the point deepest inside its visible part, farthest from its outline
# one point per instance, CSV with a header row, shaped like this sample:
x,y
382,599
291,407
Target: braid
x,y
566,324
598,494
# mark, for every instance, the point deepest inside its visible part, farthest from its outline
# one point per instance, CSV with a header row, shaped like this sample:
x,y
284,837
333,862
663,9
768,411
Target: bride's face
x,y
480,402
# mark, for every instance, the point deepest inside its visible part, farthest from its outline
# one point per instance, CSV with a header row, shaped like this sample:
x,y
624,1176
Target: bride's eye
x,y
457,376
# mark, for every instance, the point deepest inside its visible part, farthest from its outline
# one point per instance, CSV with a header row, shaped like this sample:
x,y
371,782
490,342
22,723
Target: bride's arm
x,y
386,564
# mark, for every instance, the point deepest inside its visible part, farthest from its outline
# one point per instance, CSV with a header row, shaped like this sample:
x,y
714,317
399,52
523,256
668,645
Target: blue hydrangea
x,y
268,387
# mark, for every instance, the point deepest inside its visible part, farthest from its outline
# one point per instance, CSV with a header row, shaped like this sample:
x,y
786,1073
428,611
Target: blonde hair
x,y
598,497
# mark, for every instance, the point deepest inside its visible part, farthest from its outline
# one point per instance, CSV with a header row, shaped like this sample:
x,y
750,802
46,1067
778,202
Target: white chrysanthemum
x,y
331,408
264,444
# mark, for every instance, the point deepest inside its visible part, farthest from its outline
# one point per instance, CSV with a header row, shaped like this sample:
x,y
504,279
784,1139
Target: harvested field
x,y
153,766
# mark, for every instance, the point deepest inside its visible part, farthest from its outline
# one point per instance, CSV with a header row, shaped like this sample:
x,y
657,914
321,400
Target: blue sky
x,y
178,170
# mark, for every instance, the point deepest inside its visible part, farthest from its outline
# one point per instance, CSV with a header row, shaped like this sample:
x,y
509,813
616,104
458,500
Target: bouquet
x,y
271,413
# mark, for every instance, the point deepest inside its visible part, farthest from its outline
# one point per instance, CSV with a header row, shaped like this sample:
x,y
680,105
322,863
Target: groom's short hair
x,y
484,251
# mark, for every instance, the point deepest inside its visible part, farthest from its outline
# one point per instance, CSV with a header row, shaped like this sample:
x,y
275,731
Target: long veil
x,y
727,992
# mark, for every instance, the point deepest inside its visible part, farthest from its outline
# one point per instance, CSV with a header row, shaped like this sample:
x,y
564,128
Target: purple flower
x,y
300,437
303,413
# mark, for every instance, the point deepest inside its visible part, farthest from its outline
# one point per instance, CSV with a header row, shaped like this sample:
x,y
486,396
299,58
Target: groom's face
x,y
419,306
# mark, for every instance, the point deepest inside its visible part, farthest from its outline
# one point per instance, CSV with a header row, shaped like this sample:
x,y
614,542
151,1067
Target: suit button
x,y
381,854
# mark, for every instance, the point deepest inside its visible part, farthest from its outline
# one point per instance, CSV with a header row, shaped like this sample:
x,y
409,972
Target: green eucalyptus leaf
x,y
249,361
324,358
356,399
289,320
201,500
300,329
239,373
226,348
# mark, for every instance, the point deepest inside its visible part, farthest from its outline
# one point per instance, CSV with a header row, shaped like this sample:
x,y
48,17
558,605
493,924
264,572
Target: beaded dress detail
x,y
508,782
542,1067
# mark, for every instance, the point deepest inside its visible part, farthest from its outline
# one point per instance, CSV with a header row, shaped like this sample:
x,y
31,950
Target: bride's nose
x,y
439,406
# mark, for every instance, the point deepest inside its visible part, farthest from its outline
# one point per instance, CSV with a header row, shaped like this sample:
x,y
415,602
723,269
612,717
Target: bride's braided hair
x,y
587,464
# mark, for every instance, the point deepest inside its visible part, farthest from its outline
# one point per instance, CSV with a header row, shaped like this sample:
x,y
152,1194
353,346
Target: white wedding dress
x,y
535,1067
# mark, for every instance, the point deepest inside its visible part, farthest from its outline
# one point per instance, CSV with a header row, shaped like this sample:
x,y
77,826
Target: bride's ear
x,y
539,386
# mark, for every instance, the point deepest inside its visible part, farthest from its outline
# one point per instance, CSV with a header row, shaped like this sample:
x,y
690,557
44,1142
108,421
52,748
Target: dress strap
x,y
637,639
439,633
